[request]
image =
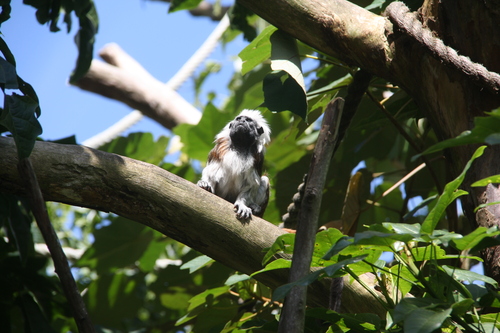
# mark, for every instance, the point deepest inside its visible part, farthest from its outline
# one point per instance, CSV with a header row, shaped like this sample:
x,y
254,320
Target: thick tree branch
x,y
125,80
149,195
407,22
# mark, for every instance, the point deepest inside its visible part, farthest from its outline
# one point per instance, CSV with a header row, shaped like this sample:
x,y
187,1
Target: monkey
x,y
234,168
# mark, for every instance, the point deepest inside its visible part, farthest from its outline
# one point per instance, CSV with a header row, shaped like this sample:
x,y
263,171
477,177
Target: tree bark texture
x,y
151,196
449,97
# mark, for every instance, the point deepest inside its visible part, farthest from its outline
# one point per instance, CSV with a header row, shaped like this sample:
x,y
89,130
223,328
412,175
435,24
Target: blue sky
x,y
161,42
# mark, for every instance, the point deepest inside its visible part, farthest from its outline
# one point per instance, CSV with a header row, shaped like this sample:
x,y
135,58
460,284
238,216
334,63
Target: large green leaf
x,y
284,88
19,117
257,51
450,193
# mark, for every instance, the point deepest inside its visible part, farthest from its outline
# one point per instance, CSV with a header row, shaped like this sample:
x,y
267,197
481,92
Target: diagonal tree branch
x,y
151,196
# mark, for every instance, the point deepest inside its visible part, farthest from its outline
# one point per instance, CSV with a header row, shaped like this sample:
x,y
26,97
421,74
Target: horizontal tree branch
x,y
125,80
151,196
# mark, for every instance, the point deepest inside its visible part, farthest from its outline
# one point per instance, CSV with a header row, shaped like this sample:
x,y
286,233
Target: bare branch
x,y
131,84
151,196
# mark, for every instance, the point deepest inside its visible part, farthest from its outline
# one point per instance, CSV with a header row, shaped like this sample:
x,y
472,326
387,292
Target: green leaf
x,y
283,93
118,245
198,139
18,116
485,181
284,88
275,264
425,321
8,75
139,146
197,263
233,279
176,5
477,237
282,244
450,193
112,299
283,290
34,319
239,16
486,130
257,51
84,39
469,276
375,4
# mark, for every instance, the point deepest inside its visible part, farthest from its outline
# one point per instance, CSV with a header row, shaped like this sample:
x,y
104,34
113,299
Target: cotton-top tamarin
x,y
234,167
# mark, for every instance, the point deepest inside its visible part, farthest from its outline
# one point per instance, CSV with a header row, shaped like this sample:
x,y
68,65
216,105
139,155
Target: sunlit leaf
x,y
139,146
176,5
469,276
480,235
257,51
450,193
197,263
485,181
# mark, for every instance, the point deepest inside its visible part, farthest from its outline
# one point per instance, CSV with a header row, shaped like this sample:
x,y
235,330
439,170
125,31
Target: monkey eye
x,y
260,130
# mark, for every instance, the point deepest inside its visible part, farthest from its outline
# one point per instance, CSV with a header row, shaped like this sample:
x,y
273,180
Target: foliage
x,y
135,279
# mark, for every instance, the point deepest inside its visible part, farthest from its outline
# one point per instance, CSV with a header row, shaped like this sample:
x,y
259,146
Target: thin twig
x,y
49,235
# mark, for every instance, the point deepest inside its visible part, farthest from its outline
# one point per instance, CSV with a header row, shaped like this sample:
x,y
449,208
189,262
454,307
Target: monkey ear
x,y
260,130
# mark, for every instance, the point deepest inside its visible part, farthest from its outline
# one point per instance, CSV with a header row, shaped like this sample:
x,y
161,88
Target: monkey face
x,y
244,132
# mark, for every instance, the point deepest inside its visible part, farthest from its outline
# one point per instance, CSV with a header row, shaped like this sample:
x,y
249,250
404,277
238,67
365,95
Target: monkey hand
x,y
242,211
206,186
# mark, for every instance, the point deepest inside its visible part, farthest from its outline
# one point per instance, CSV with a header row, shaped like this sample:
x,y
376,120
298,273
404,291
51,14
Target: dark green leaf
x,y
8,75
20,226
450,193
6,9
6,52
283,93
33,315
112,299
18,116
118,245
239,20
84,40
176,5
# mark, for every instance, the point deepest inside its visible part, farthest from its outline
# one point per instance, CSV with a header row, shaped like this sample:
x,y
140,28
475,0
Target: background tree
x,y
132,277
